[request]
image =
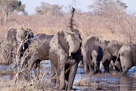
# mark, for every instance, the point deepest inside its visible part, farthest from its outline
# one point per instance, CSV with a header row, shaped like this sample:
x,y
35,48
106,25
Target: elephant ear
x,y
62,41
30,34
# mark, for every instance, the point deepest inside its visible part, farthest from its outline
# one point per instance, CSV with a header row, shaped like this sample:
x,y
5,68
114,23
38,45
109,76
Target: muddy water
x,y
6,72
82,82
107,81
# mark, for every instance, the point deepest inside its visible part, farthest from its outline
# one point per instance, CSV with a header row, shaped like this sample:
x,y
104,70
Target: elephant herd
x,y
65,50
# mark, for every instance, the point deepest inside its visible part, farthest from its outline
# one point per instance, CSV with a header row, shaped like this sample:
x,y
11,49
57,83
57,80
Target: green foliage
x,y
12,6
122,4
47,8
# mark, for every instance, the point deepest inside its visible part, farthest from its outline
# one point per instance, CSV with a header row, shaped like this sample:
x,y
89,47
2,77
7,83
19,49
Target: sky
x,y
78,4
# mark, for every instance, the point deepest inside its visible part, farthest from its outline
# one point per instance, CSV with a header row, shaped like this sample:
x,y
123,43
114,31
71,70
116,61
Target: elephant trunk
x,y
95,59
85,66
74,46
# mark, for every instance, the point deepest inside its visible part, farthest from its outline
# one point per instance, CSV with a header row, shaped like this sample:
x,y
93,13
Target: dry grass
x,y
116,74
8,85
7,72
87,24
81,82
121,26
46,30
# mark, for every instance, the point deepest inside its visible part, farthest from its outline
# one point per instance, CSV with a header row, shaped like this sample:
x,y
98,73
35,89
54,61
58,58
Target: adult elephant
x,y
65,54
11,45
111,53
24,37
92,51
37,51
127,55
17,41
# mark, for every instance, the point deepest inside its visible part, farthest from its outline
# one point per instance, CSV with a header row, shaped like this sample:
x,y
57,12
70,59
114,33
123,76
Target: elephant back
x,y
93,40
113,47
39,42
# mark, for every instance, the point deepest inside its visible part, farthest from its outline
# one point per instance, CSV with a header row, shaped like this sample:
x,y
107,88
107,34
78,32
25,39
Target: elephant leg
x,y
91,66
91,63
53,75
106,64
72,74
37,70
67,71
86,63
117,66
30,65
80,63
96,61
86,67
60,73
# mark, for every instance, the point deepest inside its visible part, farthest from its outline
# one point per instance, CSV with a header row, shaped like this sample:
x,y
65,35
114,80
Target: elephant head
x,y
70,42
24,34
24,37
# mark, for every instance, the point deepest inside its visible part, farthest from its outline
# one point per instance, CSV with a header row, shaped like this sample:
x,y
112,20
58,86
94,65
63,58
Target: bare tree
x,y
47,8
9,6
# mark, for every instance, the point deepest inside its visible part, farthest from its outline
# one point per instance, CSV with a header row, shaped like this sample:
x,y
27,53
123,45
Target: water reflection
x,y
127,83
107,81
92,83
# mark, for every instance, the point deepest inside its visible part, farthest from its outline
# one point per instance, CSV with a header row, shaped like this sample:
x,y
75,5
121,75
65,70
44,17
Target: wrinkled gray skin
x,y
111,53
93,47
64,55
14,37
127,56
37,51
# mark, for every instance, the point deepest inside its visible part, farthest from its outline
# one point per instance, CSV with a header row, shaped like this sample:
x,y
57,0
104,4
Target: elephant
x,y
37,51
127,55
24,36
92,51
17,40
111,54
10,46
64,54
